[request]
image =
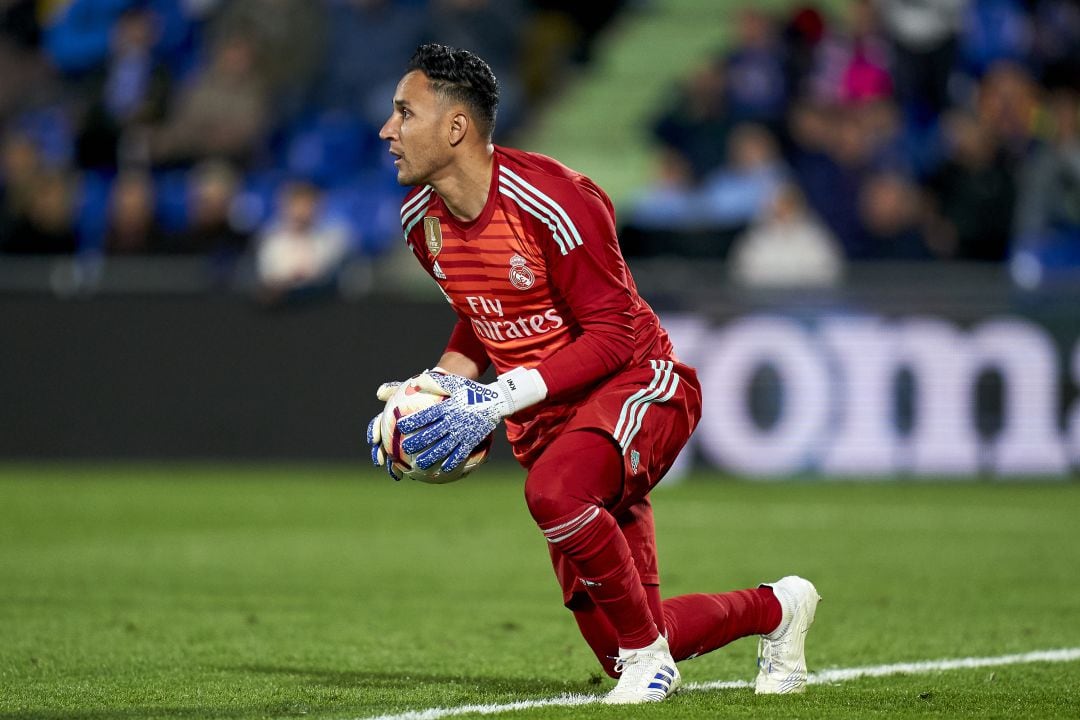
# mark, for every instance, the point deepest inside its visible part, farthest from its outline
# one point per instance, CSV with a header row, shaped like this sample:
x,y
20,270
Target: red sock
x,y
696,624
592,541
700,623
656,607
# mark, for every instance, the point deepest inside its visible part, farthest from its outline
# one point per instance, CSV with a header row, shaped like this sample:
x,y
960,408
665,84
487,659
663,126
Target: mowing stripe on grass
x,y
824,677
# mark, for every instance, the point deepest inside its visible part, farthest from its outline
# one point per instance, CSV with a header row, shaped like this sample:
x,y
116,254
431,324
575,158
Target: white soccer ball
x,y
407,399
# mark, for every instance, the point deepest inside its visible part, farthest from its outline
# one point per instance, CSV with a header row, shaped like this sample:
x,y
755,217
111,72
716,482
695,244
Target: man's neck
x,y
465,188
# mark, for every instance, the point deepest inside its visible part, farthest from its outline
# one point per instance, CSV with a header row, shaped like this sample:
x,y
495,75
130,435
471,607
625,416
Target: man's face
x,y
417,131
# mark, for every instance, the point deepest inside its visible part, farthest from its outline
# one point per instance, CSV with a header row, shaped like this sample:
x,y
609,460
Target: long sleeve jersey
x,y
537,280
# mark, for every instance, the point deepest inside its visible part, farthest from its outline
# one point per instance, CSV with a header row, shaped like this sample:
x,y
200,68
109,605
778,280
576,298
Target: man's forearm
x,y
458,364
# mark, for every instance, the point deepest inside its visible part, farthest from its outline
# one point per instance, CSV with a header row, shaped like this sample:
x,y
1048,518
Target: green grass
x,y
330,592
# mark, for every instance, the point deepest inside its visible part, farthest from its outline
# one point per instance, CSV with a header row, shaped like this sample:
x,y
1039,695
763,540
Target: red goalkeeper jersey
x,y
537,280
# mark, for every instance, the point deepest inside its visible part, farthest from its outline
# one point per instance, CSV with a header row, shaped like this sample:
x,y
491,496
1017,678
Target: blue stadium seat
x,y
371,203
327,148
92,211
171,188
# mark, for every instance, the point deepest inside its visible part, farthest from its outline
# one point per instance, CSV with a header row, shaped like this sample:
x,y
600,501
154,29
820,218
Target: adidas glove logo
x,y
479,395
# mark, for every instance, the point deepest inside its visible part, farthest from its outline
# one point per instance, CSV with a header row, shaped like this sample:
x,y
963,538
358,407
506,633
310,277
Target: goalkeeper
x,y
596,404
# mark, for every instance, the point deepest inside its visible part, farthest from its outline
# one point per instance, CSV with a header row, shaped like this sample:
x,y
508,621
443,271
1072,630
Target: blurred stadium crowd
x,y
892,130
226,128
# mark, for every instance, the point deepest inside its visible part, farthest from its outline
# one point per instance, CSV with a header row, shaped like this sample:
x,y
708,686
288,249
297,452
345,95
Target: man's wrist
x,y
520,388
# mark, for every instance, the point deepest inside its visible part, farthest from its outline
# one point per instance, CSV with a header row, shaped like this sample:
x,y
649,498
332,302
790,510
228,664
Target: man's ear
x,y
459,127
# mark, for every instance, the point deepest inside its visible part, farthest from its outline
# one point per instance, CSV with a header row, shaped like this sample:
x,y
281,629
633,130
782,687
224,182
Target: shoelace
x,y
643,679
622,661
769,650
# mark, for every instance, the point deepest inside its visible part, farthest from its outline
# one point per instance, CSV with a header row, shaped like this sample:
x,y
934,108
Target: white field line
x,y
824,677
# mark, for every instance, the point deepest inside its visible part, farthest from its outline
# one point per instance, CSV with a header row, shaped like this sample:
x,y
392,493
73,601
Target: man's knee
x,y
580,468
548,501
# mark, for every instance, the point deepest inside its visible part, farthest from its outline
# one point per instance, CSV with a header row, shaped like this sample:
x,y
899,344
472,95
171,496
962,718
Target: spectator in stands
x,y
78,36
847,140
493,29
550,44
588,19
972,194
131,226
213,227
300,249
853,66
728,199
697,127
1007,100
224,112
132,89
557,36
28,79
1048,208
20,166
47,226
756,71
833,154
288,40
893,145
787,247
668,203
892,218
368,42
992,31
1056,29
674,216
164,85
802,35
739,192
924,37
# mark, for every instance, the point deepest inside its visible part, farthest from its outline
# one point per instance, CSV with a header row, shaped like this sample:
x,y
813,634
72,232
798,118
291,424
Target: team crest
x,y
433,235
521,277
635,461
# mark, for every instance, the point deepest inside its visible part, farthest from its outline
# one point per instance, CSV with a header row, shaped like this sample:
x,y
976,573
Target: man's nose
x,y
386,133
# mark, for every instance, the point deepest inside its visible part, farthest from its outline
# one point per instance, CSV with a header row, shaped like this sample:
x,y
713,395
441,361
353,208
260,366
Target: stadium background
x,y
159,155
188,524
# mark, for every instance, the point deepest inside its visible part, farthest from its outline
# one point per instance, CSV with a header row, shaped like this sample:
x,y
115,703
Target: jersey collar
x,y
471,228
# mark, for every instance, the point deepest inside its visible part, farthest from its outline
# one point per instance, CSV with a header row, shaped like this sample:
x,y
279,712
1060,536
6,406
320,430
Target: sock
x,y
590,539
696,624
656,607
700,623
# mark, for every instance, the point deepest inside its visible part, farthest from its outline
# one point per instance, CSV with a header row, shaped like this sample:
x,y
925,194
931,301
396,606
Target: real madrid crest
x,y
521,277
433,235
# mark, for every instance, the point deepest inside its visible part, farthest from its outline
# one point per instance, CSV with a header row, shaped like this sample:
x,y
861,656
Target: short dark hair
x,y
462,76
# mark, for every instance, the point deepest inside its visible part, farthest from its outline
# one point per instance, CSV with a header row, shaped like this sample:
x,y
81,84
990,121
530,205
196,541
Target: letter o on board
x,y
728,435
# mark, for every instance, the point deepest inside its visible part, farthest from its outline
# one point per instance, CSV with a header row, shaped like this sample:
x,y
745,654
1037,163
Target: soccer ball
x,y
407,399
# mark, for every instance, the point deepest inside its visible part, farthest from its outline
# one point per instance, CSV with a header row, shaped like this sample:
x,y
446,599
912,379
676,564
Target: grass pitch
x,y
254,592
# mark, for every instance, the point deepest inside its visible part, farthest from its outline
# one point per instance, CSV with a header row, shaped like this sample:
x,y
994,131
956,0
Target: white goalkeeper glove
x,y
451,429
374,430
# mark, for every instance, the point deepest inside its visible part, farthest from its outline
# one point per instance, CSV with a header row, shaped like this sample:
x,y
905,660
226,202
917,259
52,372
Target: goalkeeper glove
x,y
374,431
451,429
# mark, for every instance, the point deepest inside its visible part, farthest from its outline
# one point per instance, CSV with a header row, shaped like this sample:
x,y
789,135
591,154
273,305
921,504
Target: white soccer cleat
x,y
782,653
646,675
